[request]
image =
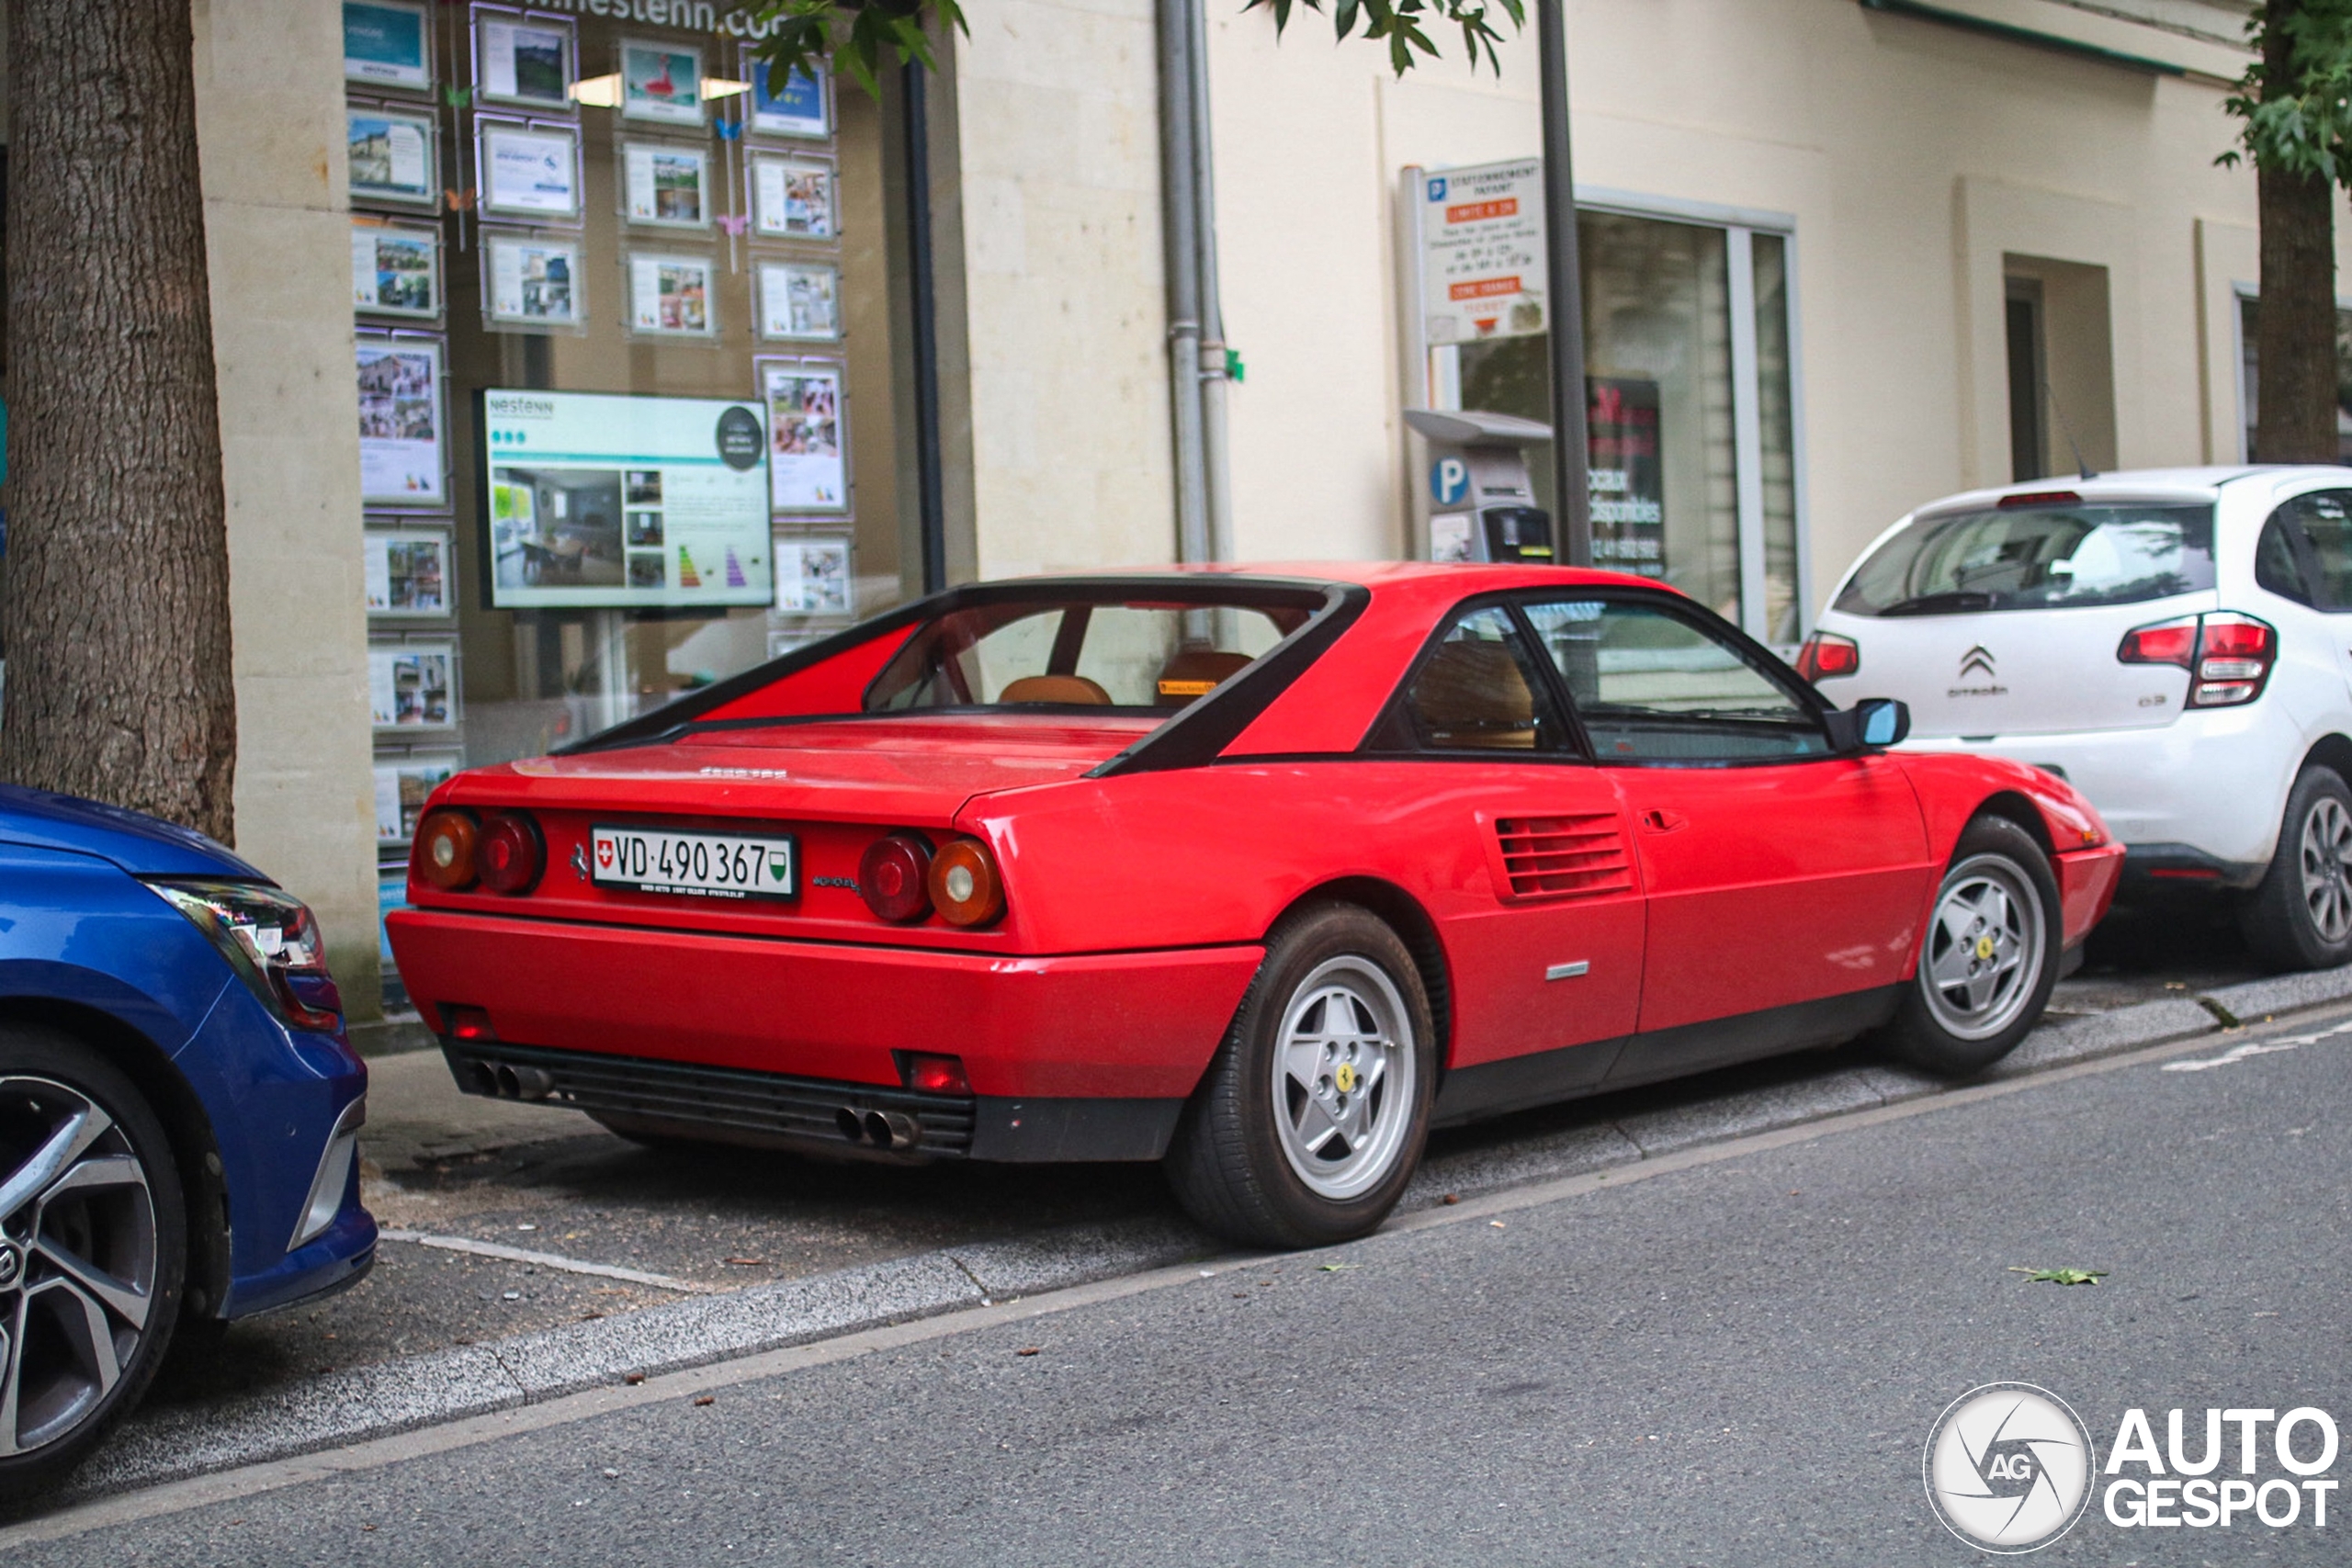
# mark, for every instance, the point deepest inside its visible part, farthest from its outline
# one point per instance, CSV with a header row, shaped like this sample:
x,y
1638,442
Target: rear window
x,y
2036,558
1049,652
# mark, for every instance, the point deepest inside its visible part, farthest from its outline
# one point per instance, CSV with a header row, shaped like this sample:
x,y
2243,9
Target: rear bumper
x,y
774,1109
1108,1026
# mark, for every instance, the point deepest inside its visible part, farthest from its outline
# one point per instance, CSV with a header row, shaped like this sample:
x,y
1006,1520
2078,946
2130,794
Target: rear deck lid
x,y
2005,620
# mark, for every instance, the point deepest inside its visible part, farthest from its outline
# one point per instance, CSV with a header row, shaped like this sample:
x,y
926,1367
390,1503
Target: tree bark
x,y
117,614
2295,326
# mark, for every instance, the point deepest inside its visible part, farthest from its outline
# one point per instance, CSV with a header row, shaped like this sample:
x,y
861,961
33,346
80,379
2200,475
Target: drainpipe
x,y
1217,473
931,504
1179,208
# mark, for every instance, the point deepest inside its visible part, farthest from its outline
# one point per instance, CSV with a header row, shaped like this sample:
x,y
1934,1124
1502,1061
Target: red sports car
x,y
1260,871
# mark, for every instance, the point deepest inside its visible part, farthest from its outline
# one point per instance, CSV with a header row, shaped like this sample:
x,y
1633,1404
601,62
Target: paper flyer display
x,y
386,44
400,422
665,183
524,61
402,786
609,501
406,573
805,464
799,300
396,272
534,281
529,170
409,686
670,295
391,156
812,576
661,81
804,107
792,198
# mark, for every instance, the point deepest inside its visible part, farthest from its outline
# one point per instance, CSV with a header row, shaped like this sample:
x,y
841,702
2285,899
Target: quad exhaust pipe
x,y
878,1129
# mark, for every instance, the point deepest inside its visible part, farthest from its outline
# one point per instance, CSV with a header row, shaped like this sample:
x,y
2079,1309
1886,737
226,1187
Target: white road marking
x,y
550,1260
2257,1048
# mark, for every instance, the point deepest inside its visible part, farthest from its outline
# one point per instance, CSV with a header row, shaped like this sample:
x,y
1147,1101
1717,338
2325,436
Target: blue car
x,y
179,1113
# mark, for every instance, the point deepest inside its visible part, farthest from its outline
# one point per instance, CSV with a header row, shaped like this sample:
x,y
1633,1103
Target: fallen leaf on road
x,y
1026,1351
2061,1276
1450,1199
706,1399
634,1379
1497,1224
749,1262
1336,1267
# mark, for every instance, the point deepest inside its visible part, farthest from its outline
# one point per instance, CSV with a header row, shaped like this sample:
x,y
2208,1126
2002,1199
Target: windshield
x,y
1059,652
2037,558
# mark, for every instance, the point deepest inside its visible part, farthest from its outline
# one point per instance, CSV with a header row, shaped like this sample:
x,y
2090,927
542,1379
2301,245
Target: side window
x,y
2276,567
1480,689
1654,686
2325,518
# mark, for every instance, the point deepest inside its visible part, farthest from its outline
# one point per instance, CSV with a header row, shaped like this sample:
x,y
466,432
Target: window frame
x,y
1396,734
2306,554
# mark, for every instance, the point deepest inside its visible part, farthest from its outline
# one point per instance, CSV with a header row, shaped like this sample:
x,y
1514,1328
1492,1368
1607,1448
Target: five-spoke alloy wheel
x,y
1312,1117
92,1245
1990,957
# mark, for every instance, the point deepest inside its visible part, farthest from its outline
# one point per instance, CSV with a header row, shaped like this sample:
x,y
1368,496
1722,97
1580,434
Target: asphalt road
x,y
1732,1362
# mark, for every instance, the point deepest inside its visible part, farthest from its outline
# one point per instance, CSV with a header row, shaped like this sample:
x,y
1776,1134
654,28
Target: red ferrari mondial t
x,y
1259,873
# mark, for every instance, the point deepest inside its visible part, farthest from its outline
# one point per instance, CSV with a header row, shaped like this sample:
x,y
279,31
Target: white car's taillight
x,y
2227,655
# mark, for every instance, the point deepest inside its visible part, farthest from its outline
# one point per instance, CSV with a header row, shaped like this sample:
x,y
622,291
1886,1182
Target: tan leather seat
x,y
1067,689
1472,695
1195,672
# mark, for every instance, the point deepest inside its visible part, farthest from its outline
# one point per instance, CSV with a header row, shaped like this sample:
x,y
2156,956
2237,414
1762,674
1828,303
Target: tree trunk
x,y
117,625
2295,327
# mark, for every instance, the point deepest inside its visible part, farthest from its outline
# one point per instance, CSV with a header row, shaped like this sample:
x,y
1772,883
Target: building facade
x,y
496,287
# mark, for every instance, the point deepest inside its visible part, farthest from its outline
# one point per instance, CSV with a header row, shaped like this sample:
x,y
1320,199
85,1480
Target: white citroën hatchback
x,y
2175,643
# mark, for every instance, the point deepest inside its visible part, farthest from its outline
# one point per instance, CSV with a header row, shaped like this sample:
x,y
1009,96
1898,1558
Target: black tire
x,y
2300,916
116,1206
1989,957
1239,1157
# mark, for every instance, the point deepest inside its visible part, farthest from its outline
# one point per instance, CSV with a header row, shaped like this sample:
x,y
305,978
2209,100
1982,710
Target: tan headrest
x,y
1074,689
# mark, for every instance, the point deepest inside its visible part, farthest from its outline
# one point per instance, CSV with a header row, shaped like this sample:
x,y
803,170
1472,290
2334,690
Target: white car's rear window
x,y
2036,558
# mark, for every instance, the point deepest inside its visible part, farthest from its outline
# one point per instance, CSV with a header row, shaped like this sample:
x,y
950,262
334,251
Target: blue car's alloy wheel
x,y
91,1251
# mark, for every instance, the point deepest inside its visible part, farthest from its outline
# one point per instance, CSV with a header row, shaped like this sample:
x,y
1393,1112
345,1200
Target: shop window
x,y
1691,406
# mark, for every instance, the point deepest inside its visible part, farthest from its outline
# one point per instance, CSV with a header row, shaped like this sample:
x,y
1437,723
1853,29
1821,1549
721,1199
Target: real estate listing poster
x,y
529,170
407,573
804,464
525,61
410,686
531,280
812,576
387,44
402,786
389,153
396,272
792,198
402,427
799,300
609,502
661,81
670,295
665,183
802,106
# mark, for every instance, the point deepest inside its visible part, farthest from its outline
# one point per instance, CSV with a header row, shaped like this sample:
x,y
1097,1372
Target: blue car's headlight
x,y
271,940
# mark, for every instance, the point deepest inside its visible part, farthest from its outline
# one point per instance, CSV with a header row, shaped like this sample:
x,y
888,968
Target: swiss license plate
x,y
704,865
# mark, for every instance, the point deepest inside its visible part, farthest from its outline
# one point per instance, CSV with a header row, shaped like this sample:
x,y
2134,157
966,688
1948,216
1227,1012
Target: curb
x,y
339,1408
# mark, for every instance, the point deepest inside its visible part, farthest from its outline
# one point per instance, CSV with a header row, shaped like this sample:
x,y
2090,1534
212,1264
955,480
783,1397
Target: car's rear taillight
x,y
510,853
893,877
965,886
1825,655
931,1072
2228,656
444,855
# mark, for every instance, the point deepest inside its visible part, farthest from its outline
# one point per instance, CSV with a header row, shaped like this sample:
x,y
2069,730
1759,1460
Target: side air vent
x,y
1562,857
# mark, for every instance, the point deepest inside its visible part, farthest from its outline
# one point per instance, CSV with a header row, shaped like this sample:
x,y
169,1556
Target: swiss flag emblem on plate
x,y
604,853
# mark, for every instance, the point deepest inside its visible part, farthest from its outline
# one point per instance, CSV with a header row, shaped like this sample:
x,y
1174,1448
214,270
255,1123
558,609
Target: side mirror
x,y
1871,722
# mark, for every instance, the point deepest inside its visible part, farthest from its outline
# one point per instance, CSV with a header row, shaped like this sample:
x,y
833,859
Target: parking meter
x,y
1477,496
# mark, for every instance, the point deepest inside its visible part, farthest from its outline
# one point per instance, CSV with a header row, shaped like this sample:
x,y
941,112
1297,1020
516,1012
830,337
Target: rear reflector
x,y
2186,873
935,1074
467,1023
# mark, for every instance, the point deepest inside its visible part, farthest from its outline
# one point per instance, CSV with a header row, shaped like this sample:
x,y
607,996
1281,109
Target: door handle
x,y
1663,821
